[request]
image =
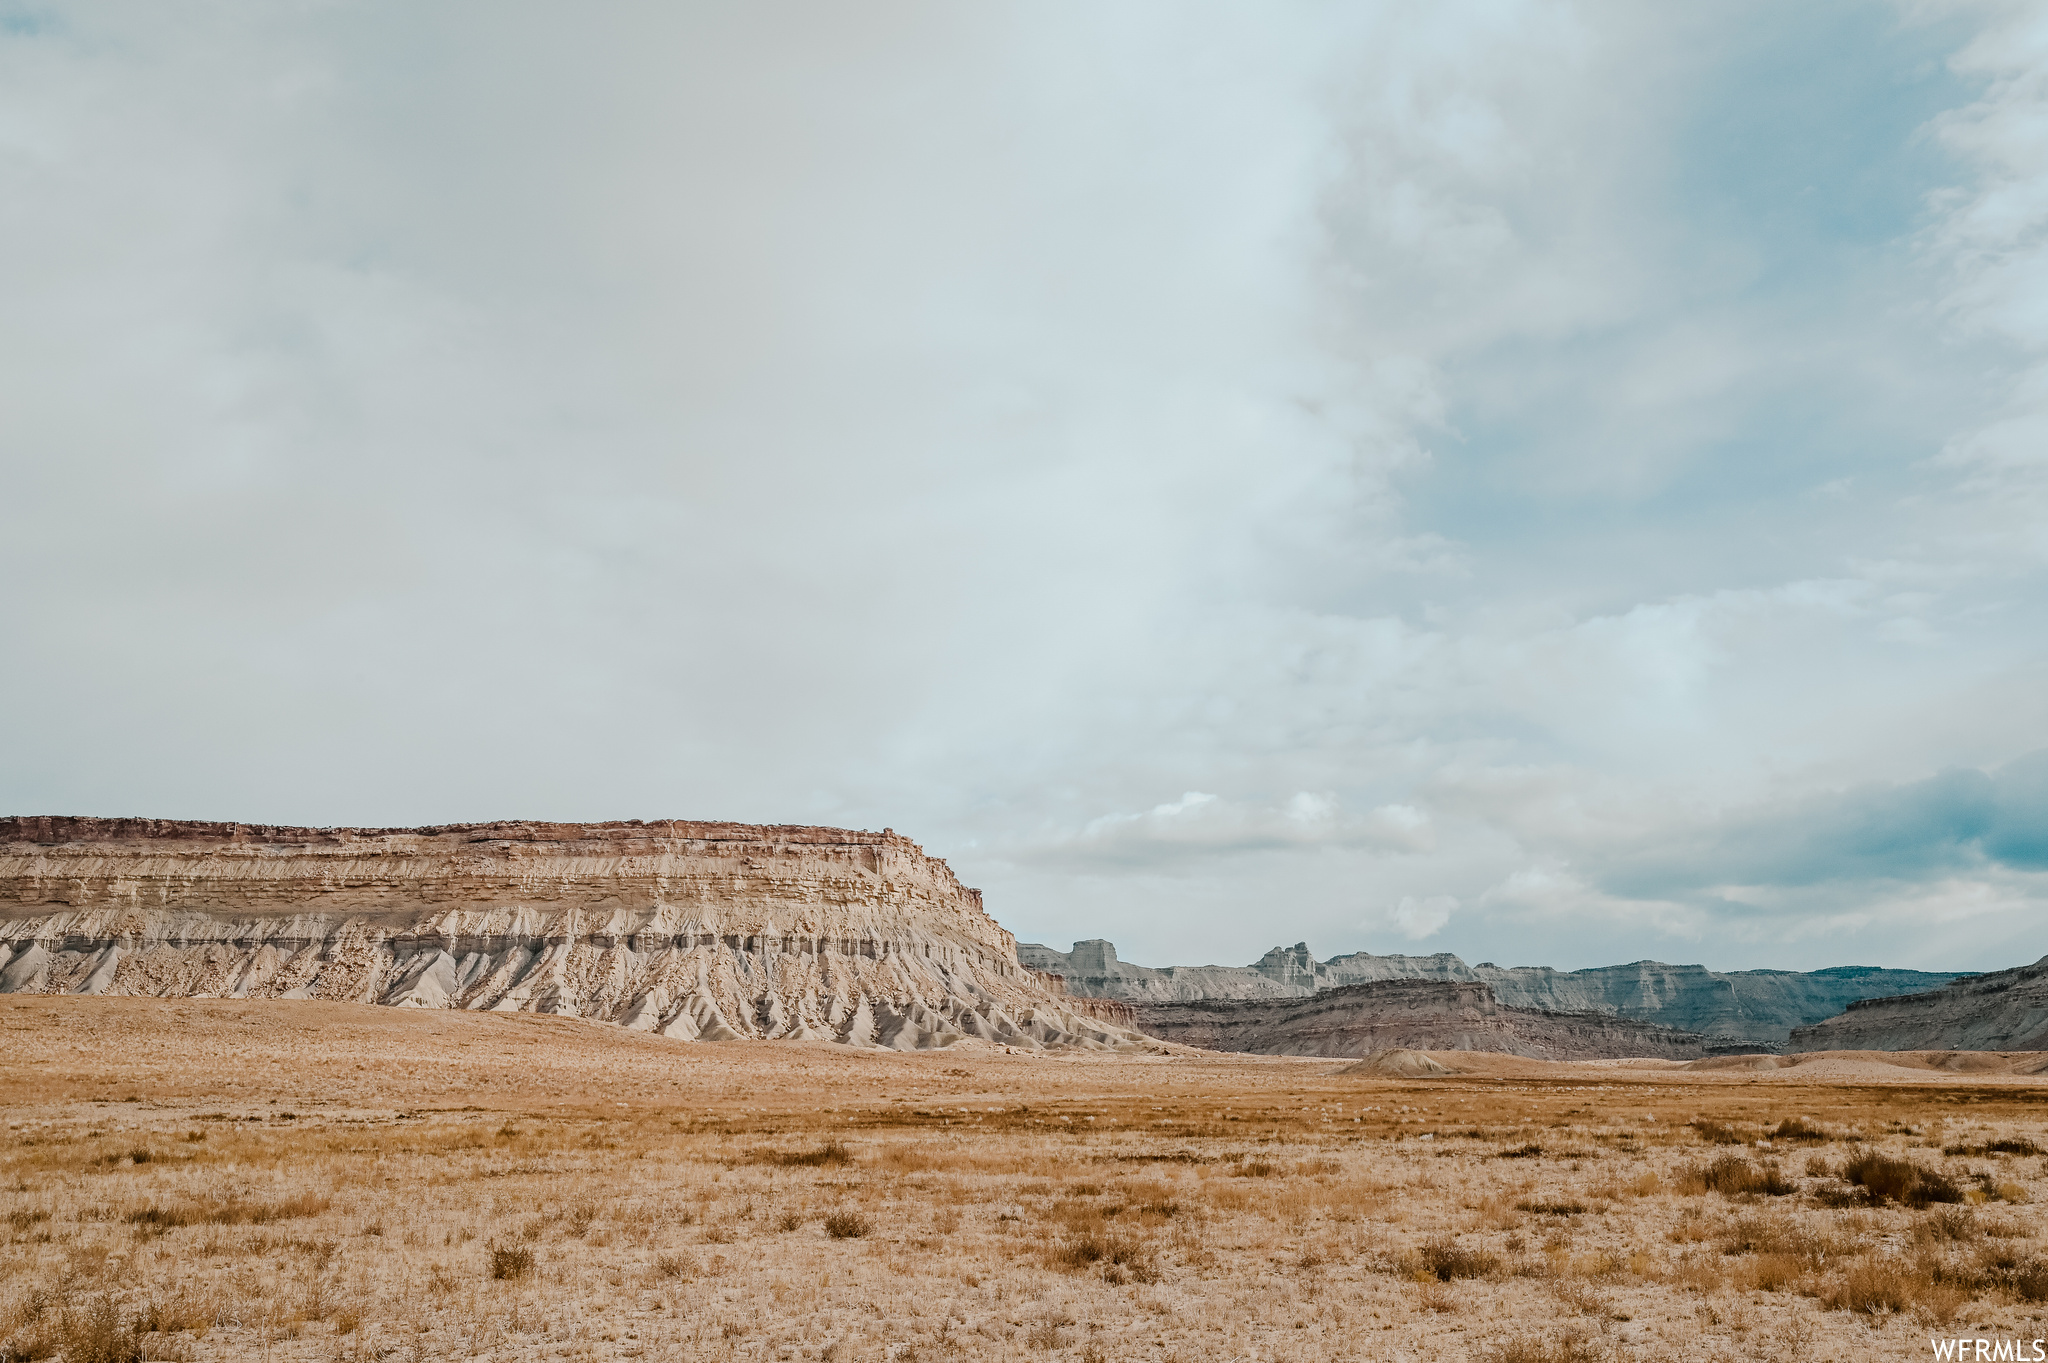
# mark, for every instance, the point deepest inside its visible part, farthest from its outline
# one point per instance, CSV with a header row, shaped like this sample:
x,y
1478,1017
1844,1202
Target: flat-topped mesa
x,y
697,930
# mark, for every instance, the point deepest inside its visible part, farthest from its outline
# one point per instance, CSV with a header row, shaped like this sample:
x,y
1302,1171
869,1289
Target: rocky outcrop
x,y
1421,1015
701,931
1105,1010
1754,1007
2006,1010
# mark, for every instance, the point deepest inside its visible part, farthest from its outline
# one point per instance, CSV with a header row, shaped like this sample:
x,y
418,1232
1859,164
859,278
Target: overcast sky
x,y
1559,483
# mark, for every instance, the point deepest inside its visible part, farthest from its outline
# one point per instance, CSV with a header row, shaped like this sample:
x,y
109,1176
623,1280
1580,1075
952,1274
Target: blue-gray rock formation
x,y
2004,1010
1756,1007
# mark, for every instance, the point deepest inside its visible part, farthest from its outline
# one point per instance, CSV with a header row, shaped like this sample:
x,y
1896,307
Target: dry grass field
x,y
284,1181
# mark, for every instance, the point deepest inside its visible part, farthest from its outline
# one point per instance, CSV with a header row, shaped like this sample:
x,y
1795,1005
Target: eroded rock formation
x,y
702,931
2005,1010
1421,1015
1757,1007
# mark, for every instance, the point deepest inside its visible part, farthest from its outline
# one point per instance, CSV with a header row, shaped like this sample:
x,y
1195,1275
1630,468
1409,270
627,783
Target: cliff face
x,y
1757,1007
1423,1015
2006,1010
703,931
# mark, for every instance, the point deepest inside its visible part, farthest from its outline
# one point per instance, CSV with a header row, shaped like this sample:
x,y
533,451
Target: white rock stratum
x,y
700,931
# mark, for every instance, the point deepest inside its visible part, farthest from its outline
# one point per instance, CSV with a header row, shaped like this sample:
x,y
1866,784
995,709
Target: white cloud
x,y
1420,918
1180,836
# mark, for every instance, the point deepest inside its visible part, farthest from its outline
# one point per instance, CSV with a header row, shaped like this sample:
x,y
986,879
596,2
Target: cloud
x,y
1933,829
1420,918
1515,461
1179,836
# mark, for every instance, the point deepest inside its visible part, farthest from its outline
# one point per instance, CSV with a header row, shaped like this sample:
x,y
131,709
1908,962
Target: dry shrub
x,y
1780,1237
232,1212
1529,1151
1714,1133
2006,1145
1123,1259
1561,1208
830,1155
175,1312
789,1219
1257,1168
1798,1129
846,1224
1580,1297
1950,1224
2029,1280
1435,1296
87,1331
672,1266
509,1262
1449,1261
1872,1289
1886,1287
1890,1179
1734,1176
1575,1347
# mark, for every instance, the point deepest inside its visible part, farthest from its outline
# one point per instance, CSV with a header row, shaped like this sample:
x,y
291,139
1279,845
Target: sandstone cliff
x,y
1422,1015
1755,1007
2006,1010
702,931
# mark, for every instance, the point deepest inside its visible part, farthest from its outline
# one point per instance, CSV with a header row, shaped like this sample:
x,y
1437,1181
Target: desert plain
x,y
207,1179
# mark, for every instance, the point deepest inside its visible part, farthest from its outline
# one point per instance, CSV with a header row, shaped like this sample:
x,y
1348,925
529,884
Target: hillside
x,y
1422,1015
2006,1010
1753,1007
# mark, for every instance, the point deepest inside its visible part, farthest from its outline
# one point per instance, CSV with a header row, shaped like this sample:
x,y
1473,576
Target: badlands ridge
x,y
699,931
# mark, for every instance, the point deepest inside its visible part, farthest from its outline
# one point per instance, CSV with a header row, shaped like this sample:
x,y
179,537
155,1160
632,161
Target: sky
x,y
1560,483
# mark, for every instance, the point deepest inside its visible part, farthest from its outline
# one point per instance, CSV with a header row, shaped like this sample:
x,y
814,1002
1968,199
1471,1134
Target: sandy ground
x,y
218,1180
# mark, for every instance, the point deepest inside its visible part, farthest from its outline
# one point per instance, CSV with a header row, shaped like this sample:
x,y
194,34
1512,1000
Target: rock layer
x,y
702,931
2006,1010
1420,1015
1756,1007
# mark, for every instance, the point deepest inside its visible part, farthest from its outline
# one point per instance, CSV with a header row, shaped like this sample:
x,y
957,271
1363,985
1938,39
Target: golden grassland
x,y
282,1181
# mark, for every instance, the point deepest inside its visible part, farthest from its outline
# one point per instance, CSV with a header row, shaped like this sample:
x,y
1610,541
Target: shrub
x,y
1257,1168
511,1261
232,1212
1798,1129
1733,1176
1529,1151
1123,1259
2009,1145
93,1332
1950,1223
1552,1208
846,1225
1714,1133
1870,1290
830,1155
671,1266
1449,1261
1571,1348
1889,1179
